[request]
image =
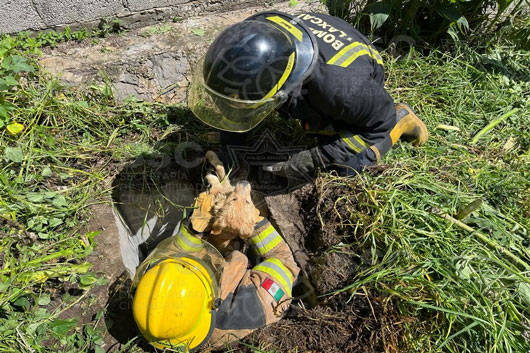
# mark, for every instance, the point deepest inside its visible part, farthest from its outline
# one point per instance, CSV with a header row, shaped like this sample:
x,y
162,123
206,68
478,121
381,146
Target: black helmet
x,y
249,70
248,60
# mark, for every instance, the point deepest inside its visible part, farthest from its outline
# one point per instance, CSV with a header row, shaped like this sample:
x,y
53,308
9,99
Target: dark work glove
x,y
300,166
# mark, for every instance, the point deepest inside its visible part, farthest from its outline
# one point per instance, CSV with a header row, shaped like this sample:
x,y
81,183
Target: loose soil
x,y
322,222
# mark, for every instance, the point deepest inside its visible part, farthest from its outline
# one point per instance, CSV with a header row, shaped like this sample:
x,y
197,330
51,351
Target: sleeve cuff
x,y
265,238
188,240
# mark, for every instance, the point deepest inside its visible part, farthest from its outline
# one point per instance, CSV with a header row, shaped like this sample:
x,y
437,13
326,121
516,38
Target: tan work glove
x,y
203,206
202,213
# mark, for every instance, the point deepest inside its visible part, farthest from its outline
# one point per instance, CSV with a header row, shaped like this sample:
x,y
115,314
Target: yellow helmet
x,y
175,299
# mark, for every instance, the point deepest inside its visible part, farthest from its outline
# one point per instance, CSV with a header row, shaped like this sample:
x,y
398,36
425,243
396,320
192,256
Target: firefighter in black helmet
x,y
312,67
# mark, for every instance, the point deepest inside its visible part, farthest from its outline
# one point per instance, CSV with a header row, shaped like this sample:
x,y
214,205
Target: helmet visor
x,y
224,112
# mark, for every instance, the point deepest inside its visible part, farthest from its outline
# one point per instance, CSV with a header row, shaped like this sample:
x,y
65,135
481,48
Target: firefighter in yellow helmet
x,y
186,294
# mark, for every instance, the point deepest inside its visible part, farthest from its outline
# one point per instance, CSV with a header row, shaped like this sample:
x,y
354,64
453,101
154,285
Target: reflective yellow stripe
x,y
351,144
287,25
262,235
355,142
355,56
285,75
266,240
279,273
342,52
188,241
182,244
360,141
190,236
263,249
351,52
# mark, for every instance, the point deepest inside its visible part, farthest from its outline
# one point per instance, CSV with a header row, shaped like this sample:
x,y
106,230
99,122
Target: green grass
x,y
465,295
470,297
50,173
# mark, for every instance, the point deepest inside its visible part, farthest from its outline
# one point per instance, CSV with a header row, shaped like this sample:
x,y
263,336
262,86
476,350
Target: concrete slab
x,y
138,5
57,12
152,63
19,15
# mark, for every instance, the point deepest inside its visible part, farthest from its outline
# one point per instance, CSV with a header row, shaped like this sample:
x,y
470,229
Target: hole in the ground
x,y
327,225
150,197
74,292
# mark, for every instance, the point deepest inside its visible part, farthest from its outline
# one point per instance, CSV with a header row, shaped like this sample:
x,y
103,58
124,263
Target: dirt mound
x,y
325,225
334,270
339,324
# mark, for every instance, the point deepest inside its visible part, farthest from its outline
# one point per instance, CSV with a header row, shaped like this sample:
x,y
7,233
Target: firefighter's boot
x,y
408,127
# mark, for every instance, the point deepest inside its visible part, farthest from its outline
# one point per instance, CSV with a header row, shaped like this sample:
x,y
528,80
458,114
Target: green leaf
x,y
91,235
46,172
50,194
32,328
99,340
8,81
59,201
17,64
87,279
462,22
4,285
14,154
98,349
54,222
198,31
524,292
43,235
293,3
83,104
102,281
5,108
44,299
61,327
464,270
15,128
379,12
35,197
90,331
42,313
454,14
22,302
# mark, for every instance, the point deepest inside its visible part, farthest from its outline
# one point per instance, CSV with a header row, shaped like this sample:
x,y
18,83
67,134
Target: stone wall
x,y
150,63
35,15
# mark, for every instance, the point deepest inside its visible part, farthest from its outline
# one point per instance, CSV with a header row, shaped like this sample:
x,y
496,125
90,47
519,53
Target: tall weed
x,y
424,20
